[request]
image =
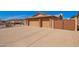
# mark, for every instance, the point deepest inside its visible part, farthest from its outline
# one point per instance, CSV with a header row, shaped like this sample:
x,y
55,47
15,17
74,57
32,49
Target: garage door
x,y
45,23
58,24
34,22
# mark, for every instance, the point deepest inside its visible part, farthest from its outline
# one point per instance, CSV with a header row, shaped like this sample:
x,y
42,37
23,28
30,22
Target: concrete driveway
x,y
38,37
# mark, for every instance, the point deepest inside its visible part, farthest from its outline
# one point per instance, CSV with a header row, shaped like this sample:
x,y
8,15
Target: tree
x,y
73,16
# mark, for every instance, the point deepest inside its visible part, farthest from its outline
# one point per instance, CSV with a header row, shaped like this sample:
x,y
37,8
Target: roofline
x,y
41,17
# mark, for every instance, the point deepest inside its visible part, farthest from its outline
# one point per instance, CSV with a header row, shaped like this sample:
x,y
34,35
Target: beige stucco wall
x,y
76,22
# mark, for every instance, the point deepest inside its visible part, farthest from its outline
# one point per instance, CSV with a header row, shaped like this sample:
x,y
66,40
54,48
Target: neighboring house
x,y
2,24
14,22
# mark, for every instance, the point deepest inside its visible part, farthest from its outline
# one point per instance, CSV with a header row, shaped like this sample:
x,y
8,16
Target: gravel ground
x,y
24,36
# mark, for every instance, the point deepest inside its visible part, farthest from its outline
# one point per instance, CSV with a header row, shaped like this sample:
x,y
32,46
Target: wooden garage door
x,y
34,22
45,23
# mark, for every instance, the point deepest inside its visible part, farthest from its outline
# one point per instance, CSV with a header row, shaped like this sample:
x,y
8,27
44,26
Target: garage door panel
x,y
45,23
34,23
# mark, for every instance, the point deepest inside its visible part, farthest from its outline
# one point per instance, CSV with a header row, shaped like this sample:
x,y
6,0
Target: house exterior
x,y
49,21
42,20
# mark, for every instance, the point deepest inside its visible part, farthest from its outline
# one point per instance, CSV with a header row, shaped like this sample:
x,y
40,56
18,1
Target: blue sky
x,y
5,15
